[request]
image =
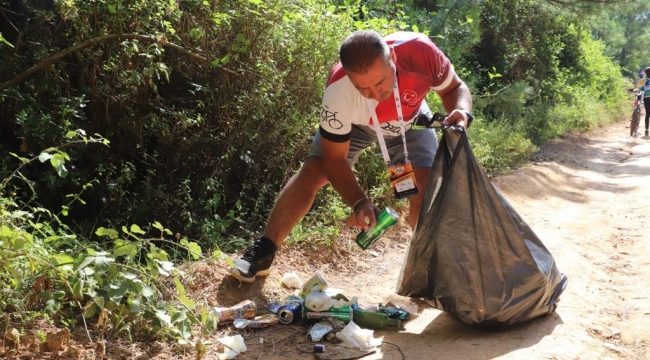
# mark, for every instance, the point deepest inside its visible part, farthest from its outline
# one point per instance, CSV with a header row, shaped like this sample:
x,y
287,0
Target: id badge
x,y
402,180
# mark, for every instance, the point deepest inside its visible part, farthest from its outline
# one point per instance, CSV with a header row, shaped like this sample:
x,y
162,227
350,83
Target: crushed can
x,y
243,310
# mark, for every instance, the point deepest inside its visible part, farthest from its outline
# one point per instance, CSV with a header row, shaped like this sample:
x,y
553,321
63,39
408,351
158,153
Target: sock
x,y
268,243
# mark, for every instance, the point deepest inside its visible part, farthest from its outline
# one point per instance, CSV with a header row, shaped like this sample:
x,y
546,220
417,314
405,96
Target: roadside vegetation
x,y
139,135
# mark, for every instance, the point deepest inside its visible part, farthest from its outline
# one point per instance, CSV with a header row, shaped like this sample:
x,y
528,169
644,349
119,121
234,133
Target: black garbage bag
x,y
471,254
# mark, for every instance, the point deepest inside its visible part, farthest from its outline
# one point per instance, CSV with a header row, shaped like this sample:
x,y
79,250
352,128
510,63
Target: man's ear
x,y
393,56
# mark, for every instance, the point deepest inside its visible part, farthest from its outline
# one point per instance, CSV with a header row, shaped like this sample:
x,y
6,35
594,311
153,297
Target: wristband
x,y
354,206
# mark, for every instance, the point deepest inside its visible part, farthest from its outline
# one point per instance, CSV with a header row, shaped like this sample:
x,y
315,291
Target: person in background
x,y
373,95
644,85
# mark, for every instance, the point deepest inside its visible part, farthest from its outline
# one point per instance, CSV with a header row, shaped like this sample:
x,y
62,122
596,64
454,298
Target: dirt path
x,y
587,198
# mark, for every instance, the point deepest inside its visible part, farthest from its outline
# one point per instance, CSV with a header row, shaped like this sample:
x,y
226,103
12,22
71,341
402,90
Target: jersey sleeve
x,y
340,108
437,64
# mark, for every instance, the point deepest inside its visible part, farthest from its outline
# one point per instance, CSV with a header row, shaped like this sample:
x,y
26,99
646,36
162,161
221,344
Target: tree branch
x,y
99,39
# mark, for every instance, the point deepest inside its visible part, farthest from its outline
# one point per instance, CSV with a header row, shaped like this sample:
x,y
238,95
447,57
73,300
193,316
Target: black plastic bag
x,y
471,254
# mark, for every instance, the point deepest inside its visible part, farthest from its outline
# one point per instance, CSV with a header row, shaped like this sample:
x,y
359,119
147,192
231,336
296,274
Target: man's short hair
x,y
361,49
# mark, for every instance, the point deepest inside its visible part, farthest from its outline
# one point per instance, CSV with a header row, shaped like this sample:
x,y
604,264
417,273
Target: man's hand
x,y
458,118
364,215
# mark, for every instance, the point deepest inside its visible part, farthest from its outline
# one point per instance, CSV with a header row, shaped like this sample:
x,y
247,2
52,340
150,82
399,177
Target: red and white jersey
x,y
420,66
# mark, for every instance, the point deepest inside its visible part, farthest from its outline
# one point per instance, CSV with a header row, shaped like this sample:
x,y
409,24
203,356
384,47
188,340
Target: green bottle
x,y
387,218
376,321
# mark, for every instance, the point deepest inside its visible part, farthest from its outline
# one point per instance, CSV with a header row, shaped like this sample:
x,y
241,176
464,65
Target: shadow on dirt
x,y
231,291
448,338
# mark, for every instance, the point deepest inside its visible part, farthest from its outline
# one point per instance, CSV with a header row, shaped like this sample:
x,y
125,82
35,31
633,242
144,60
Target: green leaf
x,y
6,232
130,276
185,330
91,310
24,160
148,292
195,250
219,255
60,259
186,301
164,317
20,213
77,289
118,290
136,229
18,242
4,41
85,262
112,234
124,248
99,301
52,306
135,305
61,170
52,238
226,59
179,316
180,289
70,134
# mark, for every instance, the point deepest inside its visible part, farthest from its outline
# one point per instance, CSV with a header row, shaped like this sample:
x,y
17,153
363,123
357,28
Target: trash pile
x,y
326,312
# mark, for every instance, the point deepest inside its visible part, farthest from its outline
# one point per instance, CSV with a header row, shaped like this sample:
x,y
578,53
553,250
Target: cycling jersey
x,y
421,66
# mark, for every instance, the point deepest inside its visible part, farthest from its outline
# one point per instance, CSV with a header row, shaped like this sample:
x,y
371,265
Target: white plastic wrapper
x,y
354,336
291,280
234,345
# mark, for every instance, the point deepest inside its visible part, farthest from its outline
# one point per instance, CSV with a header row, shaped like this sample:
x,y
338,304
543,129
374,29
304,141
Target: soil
x,y
586,196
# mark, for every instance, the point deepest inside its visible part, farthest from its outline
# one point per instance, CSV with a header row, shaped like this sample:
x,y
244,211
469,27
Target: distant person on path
x,y
644,85
359,108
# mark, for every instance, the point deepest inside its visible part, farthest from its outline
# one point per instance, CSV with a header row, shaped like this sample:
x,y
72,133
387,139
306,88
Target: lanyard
x,y
400,117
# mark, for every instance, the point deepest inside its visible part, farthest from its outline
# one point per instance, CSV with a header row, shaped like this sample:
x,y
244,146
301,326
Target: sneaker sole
x,y
237,275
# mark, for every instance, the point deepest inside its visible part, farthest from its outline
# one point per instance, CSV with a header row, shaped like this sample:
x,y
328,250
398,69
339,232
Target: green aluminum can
x,y
387,218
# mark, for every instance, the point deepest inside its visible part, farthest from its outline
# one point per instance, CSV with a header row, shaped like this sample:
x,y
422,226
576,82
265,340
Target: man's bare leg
x,y
295,200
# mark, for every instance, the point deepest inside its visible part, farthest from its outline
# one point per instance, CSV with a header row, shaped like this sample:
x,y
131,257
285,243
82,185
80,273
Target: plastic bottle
x,y
376,321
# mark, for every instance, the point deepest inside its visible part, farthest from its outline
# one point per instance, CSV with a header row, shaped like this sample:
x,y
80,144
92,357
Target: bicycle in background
x,y
636,113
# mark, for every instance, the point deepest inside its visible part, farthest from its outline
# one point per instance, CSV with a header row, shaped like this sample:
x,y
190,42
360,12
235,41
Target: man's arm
x,y
340,175
641,82
456,98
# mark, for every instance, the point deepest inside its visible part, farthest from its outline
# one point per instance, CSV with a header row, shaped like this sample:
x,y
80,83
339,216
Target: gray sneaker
x,y
256,261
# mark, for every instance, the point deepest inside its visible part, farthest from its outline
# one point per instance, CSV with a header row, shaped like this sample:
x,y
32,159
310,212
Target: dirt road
x,y
587,198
